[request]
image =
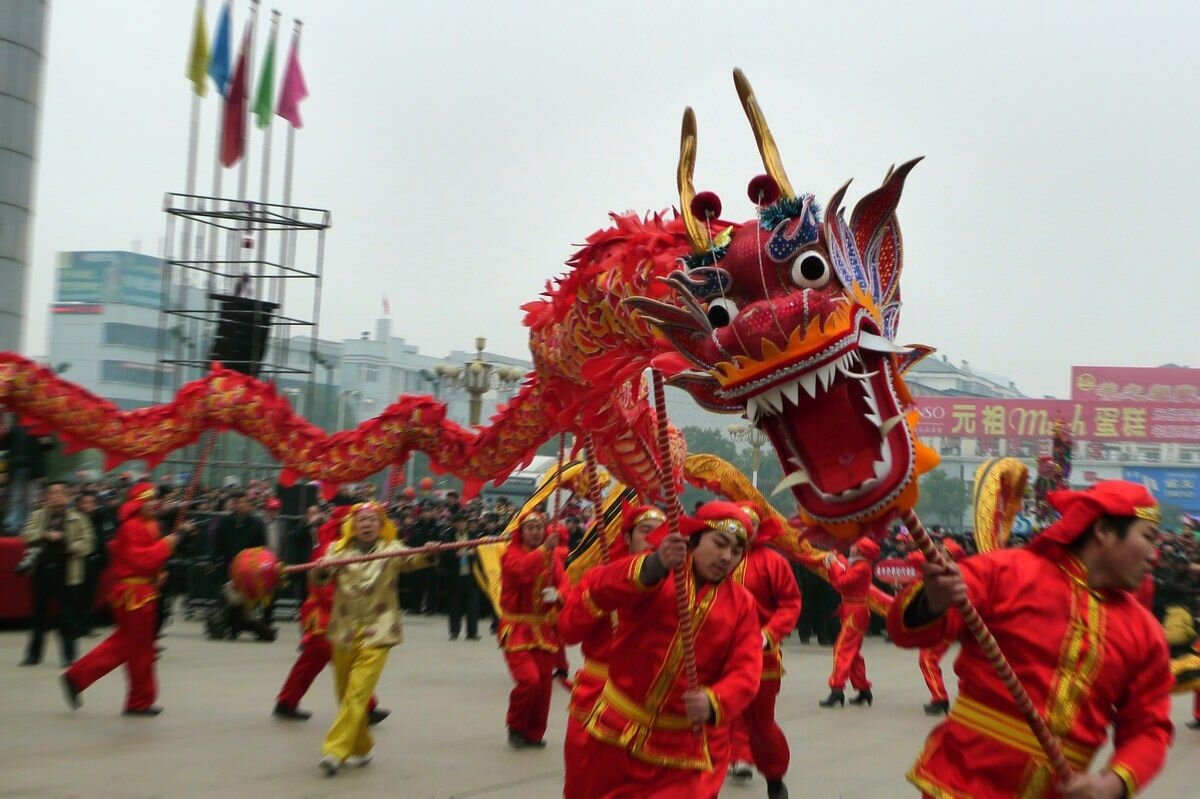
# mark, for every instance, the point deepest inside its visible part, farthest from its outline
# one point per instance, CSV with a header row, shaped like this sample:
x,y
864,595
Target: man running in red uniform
x,y
642,738
1089,655
136,558
853,581
531,575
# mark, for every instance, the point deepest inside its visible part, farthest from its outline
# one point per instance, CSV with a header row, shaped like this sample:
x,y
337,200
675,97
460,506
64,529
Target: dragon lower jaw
x,y
841,436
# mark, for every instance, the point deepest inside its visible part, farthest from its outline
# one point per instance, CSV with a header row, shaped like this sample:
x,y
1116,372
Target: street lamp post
x,y
757,439
477,378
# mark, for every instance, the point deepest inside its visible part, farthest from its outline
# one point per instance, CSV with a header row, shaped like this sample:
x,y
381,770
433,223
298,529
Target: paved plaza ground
x,y
444,739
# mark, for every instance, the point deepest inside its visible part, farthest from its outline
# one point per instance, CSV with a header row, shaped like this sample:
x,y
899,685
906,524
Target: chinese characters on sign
x,y
983,418
1118,384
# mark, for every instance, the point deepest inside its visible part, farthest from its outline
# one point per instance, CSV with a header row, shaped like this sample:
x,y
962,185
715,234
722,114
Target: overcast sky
x,y
465,148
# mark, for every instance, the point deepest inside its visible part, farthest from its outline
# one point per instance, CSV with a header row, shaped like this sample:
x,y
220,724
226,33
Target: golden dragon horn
x,y
697,233
762,134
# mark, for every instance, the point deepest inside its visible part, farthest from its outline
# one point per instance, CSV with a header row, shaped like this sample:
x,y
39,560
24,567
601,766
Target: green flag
x,y
264,101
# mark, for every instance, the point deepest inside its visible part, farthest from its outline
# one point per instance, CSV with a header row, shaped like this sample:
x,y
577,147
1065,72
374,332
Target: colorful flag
x,y
218,60
198,57
264,101
294,88
233,126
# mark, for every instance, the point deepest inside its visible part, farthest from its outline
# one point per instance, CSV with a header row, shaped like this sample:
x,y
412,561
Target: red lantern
x,y
409,493
255,573
426,484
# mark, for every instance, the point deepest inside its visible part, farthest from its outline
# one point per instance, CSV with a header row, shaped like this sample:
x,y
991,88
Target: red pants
x,y
608,772
756,738
315,654
1196,707
739,742
930,660
847,650
131,645
575,765
529,703
560,661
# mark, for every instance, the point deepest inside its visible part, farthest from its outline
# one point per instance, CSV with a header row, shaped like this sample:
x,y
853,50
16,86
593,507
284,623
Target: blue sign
x,y
108,277
1179,487
1022,525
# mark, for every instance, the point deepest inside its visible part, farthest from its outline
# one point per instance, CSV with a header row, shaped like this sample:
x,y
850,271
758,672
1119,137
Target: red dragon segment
x,y
790,319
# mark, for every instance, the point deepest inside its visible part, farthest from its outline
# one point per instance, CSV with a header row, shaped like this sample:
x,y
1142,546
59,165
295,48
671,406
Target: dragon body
x,y
787,318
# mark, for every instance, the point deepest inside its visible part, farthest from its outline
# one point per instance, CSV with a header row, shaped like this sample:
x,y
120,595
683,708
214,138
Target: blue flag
x,y
219,61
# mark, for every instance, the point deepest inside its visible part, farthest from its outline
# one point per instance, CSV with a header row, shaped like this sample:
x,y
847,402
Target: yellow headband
x,y
732,526
652,515
1151,513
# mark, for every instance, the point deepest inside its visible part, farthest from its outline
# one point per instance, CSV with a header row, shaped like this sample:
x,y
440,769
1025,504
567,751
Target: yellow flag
x,y
198,57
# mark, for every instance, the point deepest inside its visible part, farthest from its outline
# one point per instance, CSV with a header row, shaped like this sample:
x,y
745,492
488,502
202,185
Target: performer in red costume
x,y
531,582
853,581
582,622
930,657
562,668
755,737
1087,652
315,651
136,558
641,738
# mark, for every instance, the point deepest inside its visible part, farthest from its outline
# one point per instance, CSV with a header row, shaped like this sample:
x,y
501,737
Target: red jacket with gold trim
x,y
853,582
641,708
584,622
1088,659
526,622
136,556
769,578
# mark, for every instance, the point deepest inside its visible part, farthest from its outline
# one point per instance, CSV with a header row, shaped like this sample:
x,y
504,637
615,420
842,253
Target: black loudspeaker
x,y
242,330
297,498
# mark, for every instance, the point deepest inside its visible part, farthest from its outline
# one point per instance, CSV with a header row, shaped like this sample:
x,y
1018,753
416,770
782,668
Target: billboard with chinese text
x,y
1135,384
99,277
985,418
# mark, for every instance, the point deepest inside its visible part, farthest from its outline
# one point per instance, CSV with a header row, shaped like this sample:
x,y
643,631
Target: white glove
x,y
766,642
550,595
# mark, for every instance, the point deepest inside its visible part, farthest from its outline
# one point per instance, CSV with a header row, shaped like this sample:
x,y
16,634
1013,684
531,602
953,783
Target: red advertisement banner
x,y
984,418
1135,384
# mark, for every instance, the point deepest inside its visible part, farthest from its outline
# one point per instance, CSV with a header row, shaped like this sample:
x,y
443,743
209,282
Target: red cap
x,y
1081,509
716,515
533,515
633,515
135,498
867,548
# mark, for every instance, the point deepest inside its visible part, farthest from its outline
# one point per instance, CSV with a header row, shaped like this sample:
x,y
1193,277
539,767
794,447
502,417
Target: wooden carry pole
x,y
686,633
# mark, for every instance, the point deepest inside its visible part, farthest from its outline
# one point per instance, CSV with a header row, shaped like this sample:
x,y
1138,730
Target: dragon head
x,y
789,318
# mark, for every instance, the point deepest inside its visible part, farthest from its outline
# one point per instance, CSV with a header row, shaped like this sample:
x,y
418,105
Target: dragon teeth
x,y
887,426
797,477
870,341
808,381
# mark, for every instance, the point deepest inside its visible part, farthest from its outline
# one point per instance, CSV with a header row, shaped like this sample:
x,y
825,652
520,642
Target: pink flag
x,y
294,88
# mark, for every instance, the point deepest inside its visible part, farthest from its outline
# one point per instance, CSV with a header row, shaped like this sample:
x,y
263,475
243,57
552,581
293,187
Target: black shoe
x,y
1194,724
939,708
863,697
283,711
70,694
377,715
29,662
153,710
516,740
453,636
776,790
834,698
472,637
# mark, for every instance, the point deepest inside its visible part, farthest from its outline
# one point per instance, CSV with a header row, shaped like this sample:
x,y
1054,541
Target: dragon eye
x,y
809,270
722,311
